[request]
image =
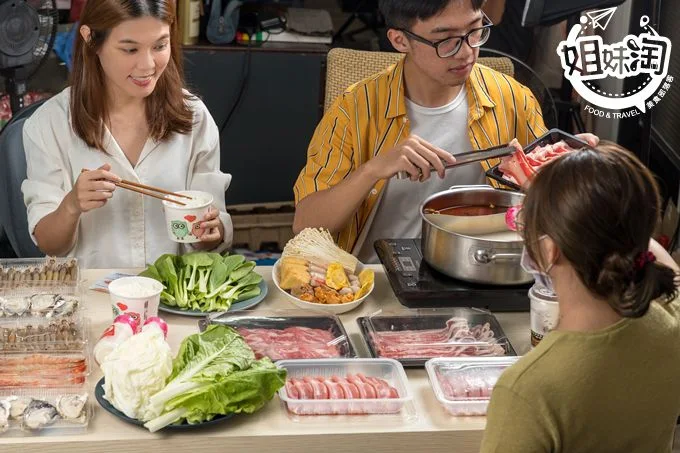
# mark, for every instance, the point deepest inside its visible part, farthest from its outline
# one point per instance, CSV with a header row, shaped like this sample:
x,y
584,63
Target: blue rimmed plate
x,y
99,395
240,305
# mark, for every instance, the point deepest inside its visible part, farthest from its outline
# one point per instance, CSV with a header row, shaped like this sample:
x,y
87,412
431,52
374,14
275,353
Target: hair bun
x,y
616,274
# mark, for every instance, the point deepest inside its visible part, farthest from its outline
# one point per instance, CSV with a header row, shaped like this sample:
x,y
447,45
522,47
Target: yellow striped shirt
x,y
369,118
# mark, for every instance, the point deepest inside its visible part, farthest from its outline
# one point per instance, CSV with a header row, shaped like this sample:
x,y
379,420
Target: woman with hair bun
x,y
607,379
126,115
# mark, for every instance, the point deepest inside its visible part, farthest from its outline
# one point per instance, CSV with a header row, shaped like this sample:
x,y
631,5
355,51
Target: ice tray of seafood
x,y
41,321
28,411
39,272
43,370
24,304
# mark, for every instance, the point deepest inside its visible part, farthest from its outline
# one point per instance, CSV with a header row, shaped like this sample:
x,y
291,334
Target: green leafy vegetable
x,y
214,373
204,281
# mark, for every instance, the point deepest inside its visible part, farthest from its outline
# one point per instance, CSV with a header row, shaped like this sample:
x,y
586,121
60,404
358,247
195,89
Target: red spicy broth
x,y
468,210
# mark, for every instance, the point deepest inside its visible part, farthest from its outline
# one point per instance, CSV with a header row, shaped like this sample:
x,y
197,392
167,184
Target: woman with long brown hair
x,y
607,379
125,116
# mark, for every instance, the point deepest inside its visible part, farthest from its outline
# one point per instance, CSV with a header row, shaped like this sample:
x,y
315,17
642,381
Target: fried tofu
x,y
294,273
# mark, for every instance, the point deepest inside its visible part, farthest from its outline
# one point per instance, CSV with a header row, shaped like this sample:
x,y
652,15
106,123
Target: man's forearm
x,y
333,208
56,232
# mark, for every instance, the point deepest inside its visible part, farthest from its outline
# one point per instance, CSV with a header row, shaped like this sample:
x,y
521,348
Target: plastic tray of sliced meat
x,y
538,153
344,387
414,336
289,334
463,386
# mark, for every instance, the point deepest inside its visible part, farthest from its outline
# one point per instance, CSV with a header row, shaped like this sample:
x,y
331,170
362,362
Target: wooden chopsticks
x,y
149,190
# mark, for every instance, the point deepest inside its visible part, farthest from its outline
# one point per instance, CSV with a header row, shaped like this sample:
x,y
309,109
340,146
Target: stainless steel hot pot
x,y
466,257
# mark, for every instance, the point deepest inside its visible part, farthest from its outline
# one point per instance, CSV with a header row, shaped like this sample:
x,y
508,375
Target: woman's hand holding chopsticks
x,y
56,232
92,190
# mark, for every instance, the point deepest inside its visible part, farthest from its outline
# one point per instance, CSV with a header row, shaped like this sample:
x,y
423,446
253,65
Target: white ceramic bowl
x,y
323,308
183,221
138,297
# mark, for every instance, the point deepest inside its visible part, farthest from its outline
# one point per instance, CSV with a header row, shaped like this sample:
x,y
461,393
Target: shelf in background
x,y
285,47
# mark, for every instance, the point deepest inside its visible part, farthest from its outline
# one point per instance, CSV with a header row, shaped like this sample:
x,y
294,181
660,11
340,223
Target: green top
x,y
615,390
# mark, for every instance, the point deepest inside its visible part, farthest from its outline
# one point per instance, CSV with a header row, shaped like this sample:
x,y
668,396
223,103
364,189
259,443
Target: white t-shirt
x,y
129,231
397,212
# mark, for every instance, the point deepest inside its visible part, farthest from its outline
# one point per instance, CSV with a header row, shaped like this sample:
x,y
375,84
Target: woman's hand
x,y
211,230
92,190
592,139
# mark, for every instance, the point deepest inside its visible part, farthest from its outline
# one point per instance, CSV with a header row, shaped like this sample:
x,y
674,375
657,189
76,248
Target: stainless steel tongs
x,y
472,156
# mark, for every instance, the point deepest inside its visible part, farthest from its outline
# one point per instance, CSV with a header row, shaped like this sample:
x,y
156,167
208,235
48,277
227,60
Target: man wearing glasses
x,y
412,117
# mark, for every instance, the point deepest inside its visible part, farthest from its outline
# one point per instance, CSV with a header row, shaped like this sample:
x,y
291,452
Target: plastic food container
x,y
390,371
58,411
138,297
183,221
551,137
463,386
38,335
57,274
289,334
43,370
414,336
41,320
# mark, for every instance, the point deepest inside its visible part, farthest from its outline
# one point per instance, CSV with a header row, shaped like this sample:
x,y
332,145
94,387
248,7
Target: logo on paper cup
x,y
586,60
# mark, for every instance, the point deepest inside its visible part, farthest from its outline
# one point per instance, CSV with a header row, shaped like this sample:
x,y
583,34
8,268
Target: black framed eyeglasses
x,y
450,46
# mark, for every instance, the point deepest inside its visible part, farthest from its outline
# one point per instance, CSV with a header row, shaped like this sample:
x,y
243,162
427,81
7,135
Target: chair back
x,y
13,217
346,67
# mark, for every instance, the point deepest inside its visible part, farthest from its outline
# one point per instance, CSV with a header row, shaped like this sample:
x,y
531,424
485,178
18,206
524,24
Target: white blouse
x,y
129,230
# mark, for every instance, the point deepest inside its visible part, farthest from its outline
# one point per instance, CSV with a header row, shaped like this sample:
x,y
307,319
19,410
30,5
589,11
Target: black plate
x,y
553,136
99,395
281,322
426,322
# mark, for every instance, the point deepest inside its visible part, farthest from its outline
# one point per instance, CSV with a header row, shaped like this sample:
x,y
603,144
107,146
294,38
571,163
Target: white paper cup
x,y
138,297
183,222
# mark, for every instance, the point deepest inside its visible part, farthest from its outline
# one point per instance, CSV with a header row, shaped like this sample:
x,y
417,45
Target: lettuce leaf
x,y
214,373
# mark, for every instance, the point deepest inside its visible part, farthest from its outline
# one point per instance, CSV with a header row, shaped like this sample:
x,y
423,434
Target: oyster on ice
x,y
39,414
42,303
4,415
64,306
19,405
15,306
71,407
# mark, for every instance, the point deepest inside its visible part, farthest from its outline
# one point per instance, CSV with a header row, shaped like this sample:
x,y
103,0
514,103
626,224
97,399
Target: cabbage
x,y
137,369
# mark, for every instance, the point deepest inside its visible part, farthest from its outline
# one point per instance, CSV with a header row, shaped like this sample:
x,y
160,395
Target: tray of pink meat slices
x,y
344,387
517,170
288,334
412,337
463,385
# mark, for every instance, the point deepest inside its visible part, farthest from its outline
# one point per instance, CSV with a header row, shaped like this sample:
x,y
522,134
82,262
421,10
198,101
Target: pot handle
x,y
472,186
483,256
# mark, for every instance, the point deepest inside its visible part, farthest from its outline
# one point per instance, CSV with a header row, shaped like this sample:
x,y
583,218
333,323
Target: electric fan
x,y
27,32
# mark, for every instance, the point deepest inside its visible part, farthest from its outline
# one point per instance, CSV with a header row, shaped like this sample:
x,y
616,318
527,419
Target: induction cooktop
x,y
417,285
